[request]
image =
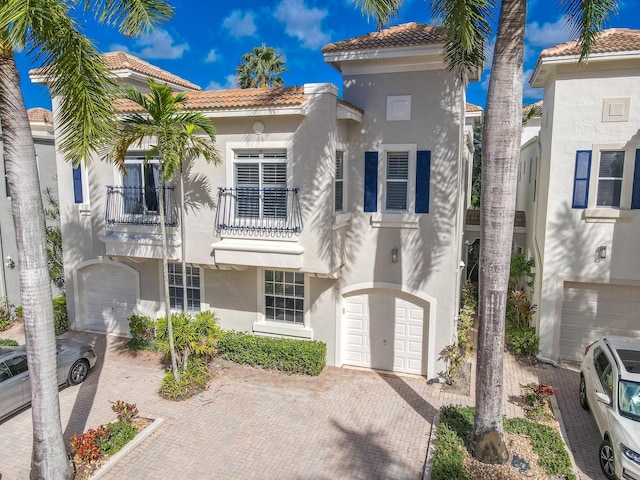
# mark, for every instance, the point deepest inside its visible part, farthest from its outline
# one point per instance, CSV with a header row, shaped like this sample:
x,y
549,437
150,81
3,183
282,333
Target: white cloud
x,y
547,34
158,45
212,56
528,92
302,22
230,81
240,24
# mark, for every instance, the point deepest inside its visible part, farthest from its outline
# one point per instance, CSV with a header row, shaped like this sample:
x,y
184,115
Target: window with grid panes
x,y
176,295
339,182
284,296
397,180
261,183
610,178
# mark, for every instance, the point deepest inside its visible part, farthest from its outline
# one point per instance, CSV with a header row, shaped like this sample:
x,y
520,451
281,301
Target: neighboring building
x,y
579,184
41,121
339,220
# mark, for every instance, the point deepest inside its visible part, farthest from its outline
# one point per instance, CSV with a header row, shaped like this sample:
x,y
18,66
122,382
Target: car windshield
x,y
629,399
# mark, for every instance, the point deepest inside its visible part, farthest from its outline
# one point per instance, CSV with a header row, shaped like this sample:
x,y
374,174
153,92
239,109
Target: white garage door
x,y
107,298
383,331
590,310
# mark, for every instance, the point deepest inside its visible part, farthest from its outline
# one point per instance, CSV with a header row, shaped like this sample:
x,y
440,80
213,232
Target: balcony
x,y
258,211
139,206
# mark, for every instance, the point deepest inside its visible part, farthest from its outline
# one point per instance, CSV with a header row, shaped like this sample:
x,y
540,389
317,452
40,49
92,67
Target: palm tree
x,y
80,84
469,29
260,68
176,135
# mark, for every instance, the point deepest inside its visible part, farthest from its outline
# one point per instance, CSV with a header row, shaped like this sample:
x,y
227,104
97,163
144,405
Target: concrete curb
x,y
137,440
428,464
563,433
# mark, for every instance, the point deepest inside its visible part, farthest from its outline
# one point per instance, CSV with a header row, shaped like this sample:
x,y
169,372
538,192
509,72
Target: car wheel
x,y
78,372
582,393
607,462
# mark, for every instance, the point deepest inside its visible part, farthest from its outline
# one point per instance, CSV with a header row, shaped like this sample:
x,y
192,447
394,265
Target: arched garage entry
x,y
107,293
387,327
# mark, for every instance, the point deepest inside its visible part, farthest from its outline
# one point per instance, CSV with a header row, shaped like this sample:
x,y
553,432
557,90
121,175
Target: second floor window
x,y
140,185
261,181
397,179
339,182
610,174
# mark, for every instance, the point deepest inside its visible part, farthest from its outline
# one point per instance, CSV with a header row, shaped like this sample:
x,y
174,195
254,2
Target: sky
x,y
204,40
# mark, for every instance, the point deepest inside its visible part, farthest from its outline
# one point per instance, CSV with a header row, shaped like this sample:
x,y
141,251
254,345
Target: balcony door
x,y
260,178
140,186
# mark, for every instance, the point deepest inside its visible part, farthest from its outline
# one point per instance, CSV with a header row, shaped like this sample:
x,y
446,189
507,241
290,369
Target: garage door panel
x,y
590,311
108,297
390,329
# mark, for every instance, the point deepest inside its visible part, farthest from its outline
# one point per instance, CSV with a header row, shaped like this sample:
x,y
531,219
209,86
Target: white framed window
x,y
260,177
610,178
284,294
397,181
339,184
176,291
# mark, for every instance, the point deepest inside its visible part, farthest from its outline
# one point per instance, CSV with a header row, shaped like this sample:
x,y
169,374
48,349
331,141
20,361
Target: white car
x,y
610,387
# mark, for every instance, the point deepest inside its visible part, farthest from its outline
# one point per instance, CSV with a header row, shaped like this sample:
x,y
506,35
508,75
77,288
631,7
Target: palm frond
x,y
468,27
381,10
586,18
133,17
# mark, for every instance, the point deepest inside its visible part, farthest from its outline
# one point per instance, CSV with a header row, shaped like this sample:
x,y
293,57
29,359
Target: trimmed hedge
x,y
283,354
60,316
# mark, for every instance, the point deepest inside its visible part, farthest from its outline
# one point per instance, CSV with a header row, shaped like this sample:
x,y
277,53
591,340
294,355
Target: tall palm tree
x,y
469,29
80,85
176,133
260,68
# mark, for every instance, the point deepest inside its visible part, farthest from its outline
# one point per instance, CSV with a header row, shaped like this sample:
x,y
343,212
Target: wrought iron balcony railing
x,y
139,206
247,210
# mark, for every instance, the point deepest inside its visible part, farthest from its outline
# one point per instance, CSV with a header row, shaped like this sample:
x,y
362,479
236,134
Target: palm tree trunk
x,y
165,277
500,153
182,245
49,458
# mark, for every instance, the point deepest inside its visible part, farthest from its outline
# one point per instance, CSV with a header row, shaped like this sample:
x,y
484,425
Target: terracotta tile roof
x,y
40,115
534,106
238,98
115,61
609,41
473,218
405,35
350,105
470,108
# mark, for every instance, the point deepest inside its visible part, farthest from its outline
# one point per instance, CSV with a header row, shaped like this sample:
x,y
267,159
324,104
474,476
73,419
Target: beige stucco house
x,y
579,184
335,219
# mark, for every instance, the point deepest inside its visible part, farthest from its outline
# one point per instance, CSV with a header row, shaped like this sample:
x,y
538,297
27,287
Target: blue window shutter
x,y
635,196
77,184
581,179
423,176
370,181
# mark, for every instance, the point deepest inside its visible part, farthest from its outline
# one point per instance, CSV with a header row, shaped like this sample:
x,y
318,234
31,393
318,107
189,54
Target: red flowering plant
x,y
536,399
86,446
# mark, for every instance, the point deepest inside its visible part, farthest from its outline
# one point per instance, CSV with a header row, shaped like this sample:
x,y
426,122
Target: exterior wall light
x,y
9,263
601,253
394,255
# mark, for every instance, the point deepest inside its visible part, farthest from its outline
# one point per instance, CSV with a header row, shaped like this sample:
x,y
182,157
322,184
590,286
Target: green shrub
x,y
120,433
193,334
193,379
143,333
18,312
456,354
7,316
547,443
283,354
451,436
60,317
6,342
522,341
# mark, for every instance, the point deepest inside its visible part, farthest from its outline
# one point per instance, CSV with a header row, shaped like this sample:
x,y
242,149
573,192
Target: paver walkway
x,y
255,424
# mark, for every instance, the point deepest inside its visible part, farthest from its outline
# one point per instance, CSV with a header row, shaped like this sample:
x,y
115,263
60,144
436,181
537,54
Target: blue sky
x,y
205,40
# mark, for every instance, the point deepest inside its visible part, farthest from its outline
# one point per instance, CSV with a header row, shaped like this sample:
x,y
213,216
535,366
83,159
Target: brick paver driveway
x,y
249,424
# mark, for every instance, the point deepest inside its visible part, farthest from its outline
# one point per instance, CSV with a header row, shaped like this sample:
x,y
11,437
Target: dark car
x,y
74,359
